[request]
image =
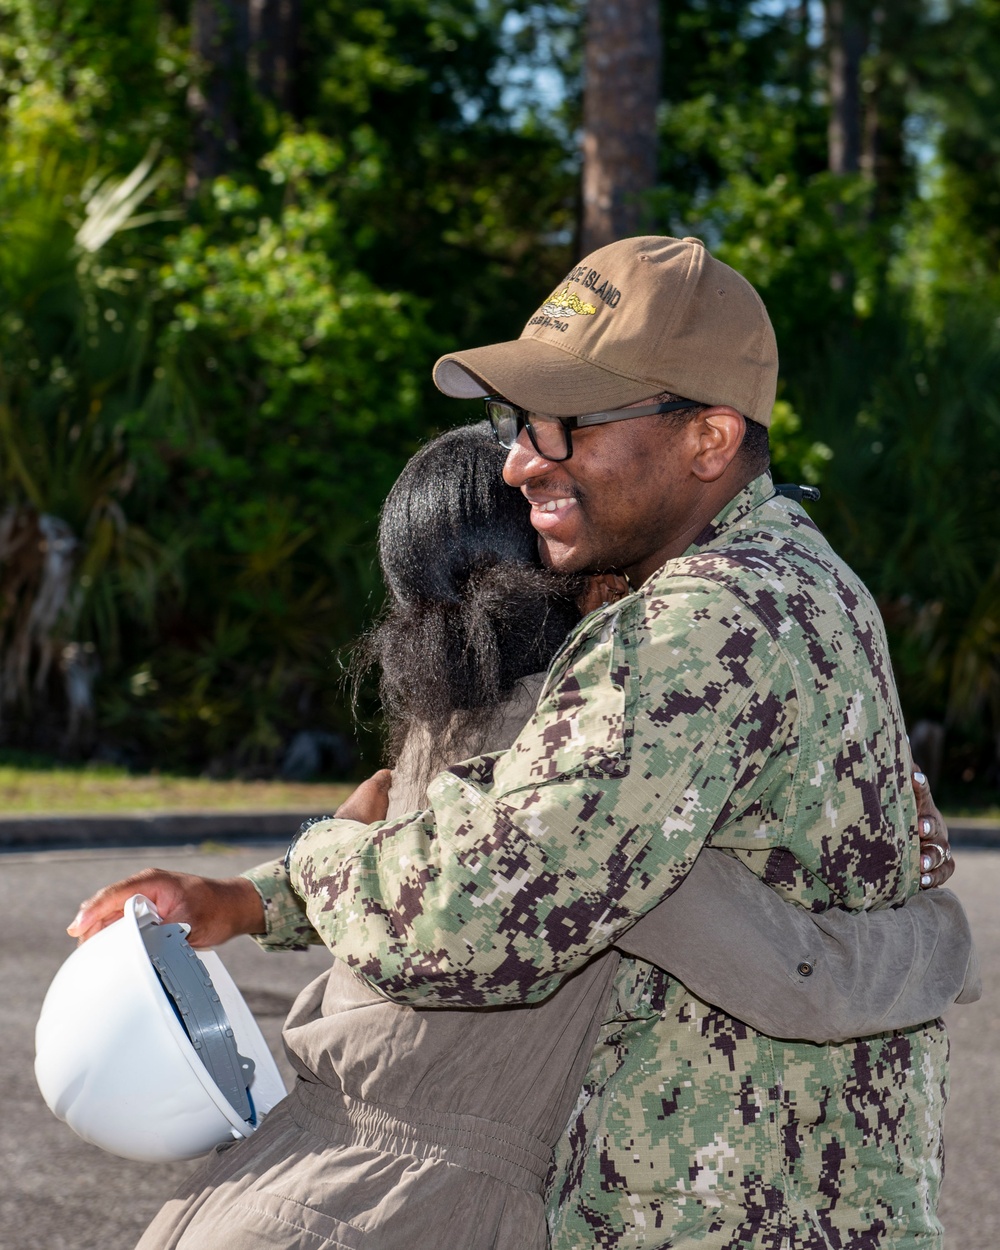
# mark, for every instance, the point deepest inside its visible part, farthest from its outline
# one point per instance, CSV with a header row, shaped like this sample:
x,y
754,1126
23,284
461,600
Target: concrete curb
x,y
969,833
146,829
57,833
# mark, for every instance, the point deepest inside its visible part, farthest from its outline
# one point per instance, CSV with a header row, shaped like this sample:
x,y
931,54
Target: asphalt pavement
x,y
58,1193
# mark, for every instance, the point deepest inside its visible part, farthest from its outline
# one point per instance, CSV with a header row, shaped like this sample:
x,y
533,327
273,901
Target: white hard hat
x,y
147,1048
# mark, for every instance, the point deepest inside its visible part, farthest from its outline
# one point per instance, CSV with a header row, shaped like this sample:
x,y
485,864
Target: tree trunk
x,y
883,158
274,32
220,40
621,92
846,41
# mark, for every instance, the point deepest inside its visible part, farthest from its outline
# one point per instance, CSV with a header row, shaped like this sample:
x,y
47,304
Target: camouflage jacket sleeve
x,y
527,863
288,927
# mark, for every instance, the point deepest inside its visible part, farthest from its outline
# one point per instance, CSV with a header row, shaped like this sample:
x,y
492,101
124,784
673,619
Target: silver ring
x,y
943,852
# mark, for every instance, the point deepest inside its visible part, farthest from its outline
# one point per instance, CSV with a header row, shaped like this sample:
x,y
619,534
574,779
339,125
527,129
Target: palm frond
x,y
110,203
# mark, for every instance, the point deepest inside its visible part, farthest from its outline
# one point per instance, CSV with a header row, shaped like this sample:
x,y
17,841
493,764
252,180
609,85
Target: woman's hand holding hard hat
x,y
217,909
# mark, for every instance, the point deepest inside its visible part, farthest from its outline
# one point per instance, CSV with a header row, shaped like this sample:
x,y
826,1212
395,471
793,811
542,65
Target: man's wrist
x,y
243,905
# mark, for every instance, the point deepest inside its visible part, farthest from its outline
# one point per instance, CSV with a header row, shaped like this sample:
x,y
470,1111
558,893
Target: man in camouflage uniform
x,y
740,696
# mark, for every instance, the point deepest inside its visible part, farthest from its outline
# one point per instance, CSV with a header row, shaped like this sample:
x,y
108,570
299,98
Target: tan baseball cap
x,y
635,318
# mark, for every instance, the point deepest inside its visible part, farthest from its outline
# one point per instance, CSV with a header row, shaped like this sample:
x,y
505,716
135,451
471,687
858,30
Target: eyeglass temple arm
x,y
622,414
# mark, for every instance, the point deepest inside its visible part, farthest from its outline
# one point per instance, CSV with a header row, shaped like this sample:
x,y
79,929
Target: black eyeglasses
x,y
550,436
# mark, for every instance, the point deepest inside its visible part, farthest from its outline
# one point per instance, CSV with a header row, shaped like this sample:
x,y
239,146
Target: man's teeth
x,y
551,505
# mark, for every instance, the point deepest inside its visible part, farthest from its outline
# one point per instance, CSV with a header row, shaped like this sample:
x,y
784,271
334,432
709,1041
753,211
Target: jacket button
x,y
805,970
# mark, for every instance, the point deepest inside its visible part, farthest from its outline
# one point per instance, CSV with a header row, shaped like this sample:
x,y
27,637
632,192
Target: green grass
x,y
35,785
960,811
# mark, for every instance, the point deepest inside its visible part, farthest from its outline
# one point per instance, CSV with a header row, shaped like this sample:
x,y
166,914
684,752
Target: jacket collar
x,y
752,496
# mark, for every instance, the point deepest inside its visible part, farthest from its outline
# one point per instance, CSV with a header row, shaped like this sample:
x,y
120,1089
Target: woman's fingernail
x,y
925,826
920,779
75,923
925,879
925,863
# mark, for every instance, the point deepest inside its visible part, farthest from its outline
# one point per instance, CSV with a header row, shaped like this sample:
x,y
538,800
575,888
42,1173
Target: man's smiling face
x,y
622,501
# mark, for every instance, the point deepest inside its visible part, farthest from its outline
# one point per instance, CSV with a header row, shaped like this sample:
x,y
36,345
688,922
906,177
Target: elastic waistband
x,y
464,1141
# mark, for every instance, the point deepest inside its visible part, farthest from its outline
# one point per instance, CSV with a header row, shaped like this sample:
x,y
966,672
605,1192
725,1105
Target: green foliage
x,y
70,353
739,100
285,400
911,497
794,456
212,385
959,71
334,386
883,288
73,71
243,388
438,191
743,143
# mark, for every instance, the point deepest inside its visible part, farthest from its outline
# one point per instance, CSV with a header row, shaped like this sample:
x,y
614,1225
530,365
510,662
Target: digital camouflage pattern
x,y
742,697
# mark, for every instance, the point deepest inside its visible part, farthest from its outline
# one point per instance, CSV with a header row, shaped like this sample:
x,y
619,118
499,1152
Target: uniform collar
x,y
752,496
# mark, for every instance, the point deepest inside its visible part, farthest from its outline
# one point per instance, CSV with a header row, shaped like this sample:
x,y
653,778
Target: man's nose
x,y
524,463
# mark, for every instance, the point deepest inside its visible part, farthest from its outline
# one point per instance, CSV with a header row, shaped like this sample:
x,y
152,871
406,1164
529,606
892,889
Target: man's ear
x,y
719,434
